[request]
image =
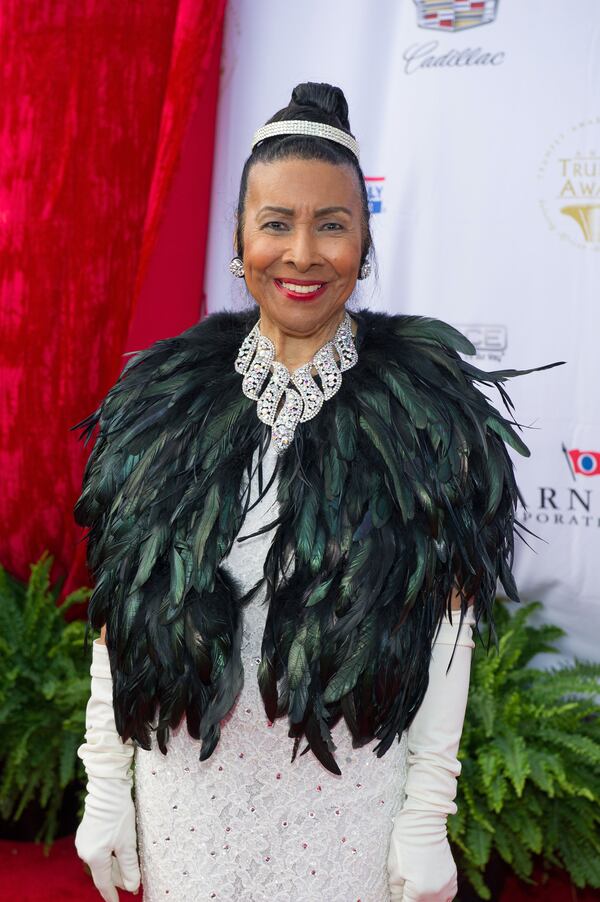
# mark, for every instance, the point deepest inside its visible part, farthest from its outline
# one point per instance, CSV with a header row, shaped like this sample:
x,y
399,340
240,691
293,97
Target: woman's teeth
x,y
301,289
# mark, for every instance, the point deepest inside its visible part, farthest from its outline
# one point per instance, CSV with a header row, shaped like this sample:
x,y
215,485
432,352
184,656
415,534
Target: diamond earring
x,y
365,270
236,267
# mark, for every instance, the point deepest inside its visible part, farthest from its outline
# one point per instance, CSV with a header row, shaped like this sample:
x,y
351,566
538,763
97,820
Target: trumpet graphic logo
x,y
570,174
587,217
455,15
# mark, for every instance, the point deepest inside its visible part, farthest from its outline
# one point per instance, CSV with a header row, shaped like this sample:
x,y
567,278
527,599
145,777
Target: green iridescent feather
x,y
401,485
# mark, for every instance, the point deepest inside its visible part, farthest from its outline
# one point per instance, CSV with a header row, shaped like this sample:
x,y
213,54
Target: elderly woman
x,y
285,506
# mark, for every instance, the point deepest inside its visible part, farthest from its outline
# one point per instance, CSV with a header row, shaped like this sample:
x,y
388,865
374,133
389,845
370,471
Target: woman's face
x,y
303,238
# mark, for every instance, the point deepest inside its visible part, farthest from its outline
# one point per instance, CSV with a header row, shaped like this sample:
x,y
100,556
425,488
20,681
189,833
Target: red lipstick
x,y
297,295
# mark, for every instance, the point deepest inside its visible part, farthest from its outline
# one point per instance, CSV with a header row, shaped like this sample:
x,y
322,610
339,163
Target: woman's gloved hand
x,y
108,824
420,864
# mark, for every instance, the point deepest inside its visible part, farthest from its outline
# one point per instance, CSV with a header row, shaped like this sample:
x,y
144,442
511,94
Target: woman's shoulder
x,y
214,333
158,397
417,329
179,363
418,350
416,360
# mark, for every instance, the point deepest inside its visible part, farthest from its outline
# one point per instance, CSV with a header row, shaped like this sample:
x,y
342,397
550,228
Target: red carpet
x,y
27,876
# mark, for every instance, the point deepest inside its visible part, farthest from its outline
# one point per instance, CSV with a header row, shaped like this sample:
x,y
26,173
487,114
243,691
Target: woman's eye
x,y
274,225
336,226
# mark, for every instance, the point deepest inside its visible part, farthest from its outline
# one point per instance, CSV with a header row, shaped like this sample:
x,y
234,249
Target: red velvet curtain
x,y
96,98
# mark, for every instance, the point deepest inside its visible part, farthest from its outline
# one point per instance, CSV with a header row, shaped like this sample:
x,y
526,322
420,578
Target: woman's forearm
x,y
420,862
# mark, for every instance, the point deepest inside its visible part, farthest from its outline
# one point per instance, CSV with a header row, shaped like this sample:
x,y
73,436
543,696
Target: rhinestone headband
x,y
301,127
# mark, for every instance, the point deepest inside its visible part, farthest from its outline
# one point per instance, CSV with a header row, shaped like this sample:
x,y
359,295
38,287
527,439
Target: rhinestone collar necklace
x,y
303,395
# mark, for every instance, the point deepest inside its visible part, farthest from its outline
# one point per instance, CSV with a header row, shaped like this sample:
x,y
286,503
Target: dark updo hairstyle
x,y
316,102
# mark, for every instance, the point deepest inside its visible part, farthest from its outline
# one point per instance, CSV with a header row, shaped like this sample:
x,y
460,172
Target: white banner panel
x,y
479,127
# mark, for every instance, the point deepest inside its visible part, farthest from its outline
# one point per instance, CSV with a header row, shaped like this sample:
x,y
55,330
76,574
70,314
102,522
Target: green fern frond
x,y
44,688
530,753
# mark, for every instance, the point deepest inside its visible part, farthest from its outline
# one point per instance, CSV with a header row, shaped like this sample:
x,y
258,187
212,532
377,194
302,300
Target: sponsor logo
x,y
582,463
451,16
422,56
490,341
566,505
569,181
375,185
454,15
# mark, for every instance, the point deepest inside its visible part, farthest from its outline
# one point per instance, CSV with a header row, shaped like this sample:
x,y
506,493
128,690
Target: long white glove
x,y
108,824
420,864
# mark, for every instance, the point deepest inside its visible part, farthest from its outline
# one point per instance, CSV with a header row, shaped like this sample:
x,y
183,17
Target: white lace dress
x,y
247,825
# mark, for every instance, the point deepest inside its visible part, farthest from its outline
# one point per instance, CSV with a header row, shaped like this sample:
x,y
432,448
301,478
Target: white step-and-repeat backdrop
x,y
479,126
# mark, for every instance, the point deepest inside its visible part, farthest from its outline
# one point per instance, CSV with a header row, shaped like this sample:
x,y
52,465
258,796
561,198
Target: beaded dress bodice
x,y
247,824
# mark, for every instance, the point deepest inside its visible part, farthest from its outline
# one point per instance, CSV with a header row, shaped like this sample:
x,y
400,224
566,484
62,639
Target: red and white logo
x,y
454,15
583,463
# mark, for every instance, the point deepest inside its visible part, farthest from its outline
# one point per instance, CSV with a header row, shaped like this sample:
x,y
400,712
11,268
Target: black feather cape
x,y
399,486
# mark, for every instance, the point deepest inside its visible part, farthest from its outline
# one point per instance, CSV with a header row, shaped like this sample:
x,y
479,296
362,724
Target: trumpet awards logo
x,y
455,15
569,177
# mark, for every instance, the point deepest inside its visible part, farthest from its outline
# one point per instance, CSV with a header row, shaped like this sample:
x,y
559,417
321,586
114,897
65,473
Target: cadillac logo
x,y
455,15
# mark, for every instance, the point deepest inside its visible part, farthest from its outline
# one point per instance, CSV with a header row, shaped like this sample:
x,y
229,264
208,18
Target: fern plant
x,y
530,752
44,688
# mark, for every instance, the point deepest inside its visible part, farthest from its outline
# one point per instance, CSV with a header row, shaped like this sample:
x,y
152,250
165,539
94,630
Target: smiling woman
x,y
301,258
303,229
285,506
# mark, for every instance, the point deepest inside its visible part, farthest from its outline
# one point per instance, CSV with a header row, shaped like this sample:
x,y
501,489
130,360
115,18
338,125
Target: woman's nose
x,y
302,250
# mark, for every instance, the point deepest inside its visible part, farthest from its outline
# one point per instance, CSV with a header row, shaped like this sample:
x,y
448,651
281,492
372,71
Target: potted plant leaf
x,y
44,688
529,791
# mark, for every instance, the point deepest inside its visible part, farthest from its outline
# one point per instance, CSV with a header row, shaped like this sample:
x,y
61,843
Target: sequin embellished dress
x,y
247,825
